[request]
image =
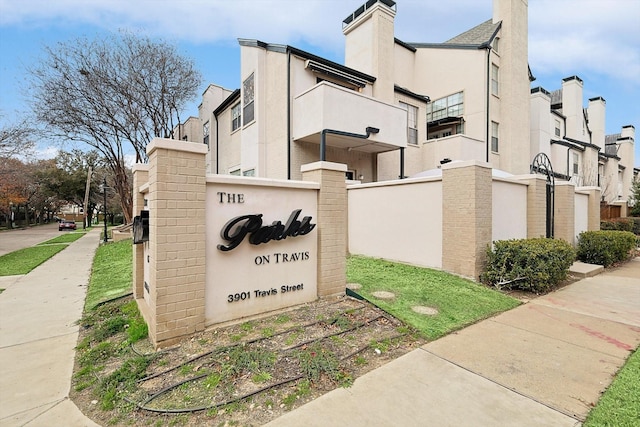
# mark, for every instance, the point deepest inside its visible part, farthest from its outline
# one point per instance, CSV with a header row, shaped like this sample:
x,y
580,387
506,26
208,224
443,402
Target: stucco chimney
x,y
514,115
626,153
369,43
596,114
572,108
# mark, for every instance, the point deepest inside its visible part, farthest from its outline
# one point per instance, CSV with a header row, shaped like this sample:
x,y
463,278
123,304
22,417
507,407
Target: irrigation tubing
x,y
143,404
221,349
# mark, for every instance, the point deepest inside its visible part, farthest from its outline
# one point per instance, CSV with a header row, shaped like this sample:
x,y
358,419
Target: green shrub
x,y
605,247
619,224
536,265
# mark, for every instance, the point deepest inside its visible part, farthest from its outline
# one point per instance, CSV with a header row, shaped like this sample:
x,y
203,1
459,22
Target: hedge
x,y
605,247
536,265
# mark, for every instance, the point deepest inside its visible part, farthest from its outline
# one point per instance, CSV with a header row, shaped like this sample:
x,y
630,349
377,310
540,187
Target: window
x,y
205,133
249,172
575,163
557,127
412,122
248,90
449,106
496,44
445,134
494,137
494,79
234,171
236,117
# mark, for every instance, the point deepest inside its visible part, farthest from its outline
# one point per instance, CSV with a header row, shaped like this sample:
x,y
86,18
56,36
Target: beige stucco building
x,y
395,108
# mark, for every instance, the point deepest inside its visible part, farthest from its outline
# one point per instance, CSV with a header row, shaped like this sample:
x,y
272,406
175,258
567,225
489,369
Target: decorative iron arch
x,y
542,165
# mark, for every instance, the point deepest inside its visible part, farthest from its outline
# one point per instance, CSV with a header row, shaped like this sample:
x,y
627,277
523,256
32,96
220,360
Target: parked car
x,y
66,225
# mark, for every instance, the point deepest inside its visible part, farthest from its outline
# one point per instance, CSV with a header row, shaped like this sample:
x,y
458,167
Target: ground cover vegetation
x,y
24,260
254,371
619,406
534,265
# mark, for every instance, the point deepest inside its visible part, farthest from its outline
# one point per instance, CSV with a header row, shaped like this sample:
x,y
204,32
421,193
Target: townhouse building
x,y
395,109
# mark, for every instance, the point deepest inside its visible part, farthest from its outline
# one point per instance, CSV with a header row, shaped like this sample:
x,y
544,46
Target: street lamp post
x,y
104,193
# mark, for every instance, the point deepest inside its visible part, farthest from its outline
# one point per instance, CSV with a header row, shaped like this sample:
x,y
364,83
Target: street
x,y
12,240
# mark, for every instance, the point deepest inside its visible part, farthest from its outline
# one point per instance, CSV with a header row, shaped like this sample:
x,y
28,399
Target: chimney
x,y
596,114
572,108
369,44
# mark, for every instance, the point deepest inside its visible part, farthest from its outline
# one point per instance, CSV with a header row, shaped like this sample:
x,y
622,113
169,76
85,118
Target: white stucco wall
x,y
383,225
509,210
581,213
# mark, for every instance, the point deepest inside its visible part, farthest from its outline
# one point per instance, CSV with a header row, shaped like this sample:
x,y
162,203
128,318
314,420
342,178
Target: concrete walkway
x,y
544,363
38,335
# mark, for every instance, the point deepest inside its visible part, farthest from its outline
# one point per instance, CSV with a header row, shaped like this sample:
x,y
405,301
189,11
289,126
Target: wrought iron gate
x,y
542,165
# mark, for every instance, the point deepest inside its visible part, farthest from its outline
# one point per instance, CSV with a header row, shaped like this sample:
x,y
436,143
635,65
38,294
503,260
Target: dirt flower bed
x,y
245,374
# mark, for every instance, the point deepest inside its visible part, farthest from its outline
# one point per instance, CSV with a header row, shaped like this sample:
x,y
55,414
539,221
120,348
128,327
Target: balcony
x,y
328,106
454,147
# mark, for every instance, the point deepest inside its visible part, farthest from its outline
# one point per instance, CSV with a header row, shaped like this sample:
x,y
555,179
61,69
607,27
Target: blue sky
x,y
598,40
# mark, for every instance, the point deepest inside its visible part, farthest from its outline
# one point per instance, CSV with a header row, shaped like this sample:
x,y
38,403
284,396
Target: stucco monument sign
x,y
261,247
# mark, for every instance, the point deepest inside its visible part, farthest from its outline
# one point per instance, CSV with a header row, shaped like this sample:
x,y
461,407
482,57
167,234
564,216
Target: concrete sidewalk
x,y
544,363
38,335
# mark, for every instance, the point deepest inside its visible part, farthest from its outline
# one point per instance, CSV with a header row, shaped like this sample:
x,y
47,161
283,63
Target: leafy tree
x,y
114,94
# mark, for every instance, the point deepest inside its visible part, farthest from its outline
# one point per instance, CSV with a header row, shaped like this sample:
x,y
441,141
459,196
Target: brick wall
x,y
466,217
332,225
177,184
564,212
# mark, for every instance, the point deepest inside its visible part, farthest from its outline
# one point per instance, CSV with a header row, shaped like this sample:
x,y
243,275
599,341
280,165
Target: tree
x,y
65,177
15,138
114,94
634,199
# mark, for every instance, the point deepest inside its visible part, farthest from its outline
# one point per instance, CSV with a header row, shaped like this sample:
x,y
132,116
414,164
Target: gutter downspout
x,y
288,113
217,154
488,119
323,138
401,162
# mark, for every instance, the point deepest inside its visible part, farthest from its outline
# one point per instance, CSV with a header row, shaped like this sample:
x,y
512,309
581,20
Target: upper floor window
x,y
495,71
576,163
449,106
248,96
557,128
205,133
236,117
494,137
496,44
412,122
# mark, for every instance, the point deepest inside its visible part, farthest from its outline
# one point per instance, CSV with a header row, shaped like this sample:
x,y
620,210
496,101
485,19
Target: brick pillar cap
x,y
339,167
175,145
142,167
466,164
588,188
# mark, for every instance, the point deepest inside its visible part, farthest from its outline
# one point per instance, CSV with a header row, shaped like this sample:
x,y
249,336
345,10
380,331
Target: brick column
x,y
177,190
564,212
140,178
332,225
466,217
536,205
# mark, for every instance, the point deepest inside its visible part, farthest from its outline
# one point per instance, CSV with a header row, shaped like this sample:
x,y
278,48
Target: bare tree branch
x,y
115,95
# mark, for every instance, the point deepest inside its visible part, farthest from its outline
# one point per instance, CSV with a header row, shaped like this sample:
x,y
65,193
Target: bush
x,y
605,247
536,265
619,224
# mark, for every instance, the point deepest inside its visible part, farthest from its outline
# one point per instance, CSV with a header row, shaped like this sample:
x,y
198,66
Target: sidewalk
x,y
38,335
544,363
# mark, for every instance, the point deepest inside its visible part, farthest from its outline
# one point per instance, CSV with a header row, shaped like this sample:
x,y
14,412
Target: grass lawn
x,y
111,275
619,406
24,260
459,302
64,238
